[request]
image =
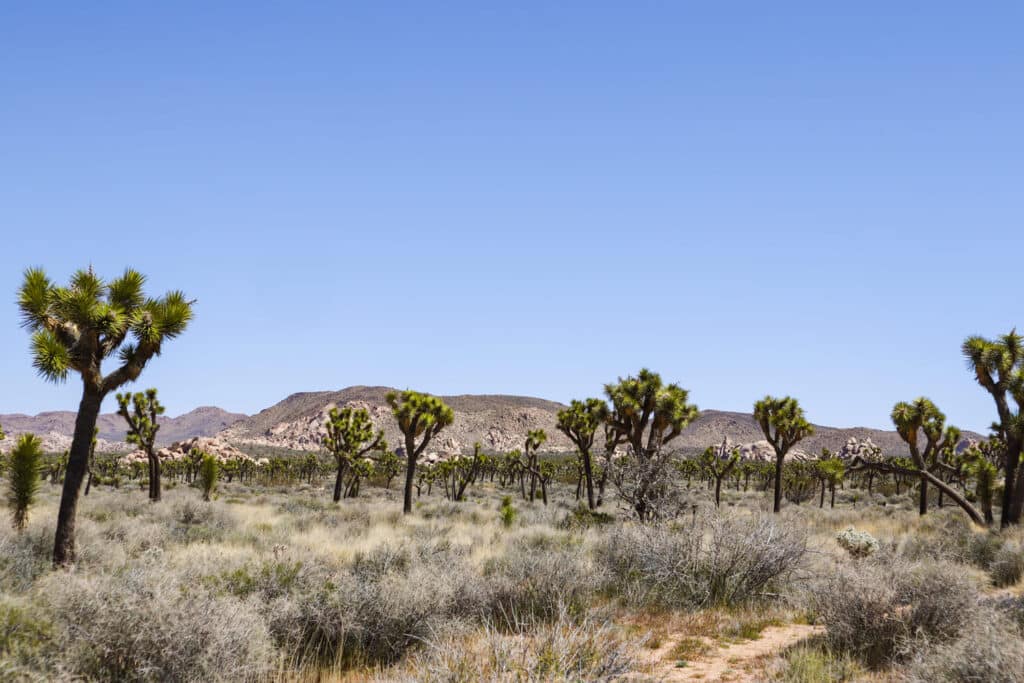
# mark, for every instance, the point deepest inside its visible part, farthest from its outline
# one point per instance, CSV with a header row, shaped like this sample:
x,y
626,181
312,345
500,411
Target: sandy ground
x,y
731,662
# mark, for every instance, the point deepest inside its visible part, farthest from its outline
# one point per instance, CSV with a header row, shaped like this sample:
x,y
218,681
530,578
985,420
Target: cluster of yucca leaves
x,y
209,472
23,477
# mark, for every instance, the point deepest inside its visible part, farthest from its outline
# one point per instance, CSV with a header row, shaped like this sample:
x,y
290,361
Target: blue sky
x,y
811,198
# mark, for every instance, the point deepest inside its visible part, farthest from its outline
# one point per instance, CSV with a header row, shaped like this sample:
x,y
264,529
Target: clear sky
x,y
809,198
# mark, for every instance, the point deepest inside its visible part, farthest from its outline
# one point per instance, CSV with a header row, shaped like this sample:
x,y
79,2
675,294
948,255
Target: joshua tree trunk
x,y
832,504
778,483
588,474
821,503
922,502
337,484
154,478
78,463
718,491
410,474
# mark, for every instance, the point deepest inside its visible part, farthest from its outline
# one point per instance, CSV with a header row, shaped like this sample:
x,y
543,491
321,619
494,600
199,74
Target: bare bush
x,y
880,610
537,583
138,625
720,560
990,650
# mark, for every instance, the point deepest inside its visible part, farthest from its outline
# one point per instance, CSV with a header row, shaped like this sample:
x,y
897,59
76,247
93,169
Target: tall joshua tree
x,y
646,414
784,425
349,438
420,418
140,411
580,422
75,328
998,366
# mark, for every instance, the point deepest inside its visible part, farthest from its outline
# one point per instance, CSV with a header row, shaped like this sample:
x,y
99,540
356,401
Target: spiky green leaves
x,y
581,420
50,357
535,438
419,415
350,434
23,478
782,421
644,405
76,327
923,416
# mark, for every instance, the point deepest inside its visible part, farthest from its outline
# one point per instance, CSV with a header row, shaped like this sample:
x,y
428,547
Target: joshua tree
x,y
421,417
140,411
911,420
718,462
535,438
465,471
998,366
784,425
349,438
979,461
388,466
646,414
831,470
580,422
77,327
23,478
209,472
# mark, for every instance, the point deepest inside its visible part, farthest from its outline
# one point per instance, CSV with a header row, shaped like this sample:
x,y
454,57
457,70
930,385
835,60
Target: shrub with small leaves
x,y
857,543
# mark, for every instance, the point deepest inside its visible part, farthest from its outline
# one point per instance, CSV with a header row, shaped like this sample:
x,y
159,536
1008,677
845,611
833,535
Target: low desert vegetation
x,y
628,559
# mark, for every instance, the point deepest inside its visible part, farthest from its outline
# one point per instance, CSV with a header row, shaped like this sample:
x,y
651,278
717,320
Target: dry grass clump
x,y
719,560
137,624
880,611
566,649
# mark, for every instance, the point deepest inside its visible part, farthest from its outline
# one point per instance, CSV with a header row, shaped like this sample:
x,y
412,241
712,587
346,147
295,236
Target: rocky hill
x,y
56,427
500,423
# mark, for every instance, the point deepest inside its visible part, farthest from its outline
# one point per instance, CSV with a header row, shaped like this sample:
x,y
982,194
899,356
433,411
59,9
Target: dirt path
x,y
730,662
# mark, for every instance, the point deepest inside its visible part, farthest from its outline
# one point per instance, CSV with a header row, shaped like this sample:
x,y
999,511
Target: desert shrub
x,y
581,517
25,557
566,649
878,610
26,640
137,624
857,543
721,560
537,584
990,650
1007,565
372,612
192,522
